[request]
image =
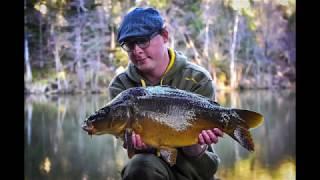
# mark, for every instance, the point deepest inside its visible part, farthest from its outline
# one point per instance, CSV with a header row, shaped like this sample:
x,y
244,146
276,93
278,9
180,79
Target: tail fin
x,y
252,119
241,133
243,136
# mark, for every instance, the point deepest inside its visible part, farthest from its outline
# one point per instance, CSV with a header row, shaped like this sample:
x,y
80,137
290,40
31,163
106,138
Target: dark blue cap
x,y
140,22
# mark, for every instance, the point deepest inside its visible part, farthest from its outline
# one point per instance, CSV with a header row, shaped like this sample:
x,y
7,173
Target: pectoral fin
x,y
169,155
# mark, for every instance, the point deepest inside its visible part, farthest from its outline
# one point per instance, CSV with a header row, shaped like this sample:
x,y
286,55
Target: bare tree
x,y
27,61
233,73
28,72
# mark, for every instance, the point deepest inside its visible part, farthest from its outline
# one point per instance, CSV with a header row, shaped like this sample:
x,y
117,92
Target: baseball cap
x,y
140,22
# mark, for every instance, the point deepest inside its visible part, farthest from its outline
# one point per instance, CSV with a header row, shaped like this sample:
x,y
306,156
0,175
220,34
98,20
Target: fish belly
x,y
161,135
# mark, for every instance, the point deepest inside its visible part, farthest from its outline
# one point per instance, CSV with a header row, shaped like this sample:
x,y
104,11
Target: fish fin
x,y
252,119
243,136
169,155
128,141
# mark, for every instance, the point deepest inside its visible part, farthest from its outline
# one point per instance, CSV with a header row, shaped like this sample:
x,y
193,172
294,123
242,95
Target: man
x,y
143,35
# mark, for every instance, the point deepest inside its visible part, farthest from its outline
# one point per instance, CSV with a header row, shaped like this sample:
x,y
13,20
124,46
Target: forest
x,y
70,45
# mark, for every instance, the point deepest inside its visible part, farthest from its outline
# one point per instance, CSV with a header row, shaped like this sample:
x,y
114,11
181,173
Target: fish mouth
x,y
89,128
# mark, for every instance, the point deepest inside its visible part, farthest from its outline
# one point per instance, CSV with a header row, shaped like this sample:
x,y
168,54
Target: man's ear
x,y
165,35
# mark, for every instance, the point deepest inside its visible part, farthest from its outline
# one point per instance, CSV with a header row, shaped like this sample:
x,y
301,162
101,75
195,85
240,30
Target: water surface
x,y
57,148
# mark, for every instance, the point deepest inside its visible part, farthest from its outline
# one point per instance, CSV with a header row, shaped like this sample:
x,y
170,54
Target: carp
x,y
167,118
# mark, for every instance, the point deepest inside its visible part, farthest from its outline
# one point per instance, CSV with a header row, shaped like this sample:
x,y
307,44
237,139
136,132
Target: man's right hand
x,y
137,142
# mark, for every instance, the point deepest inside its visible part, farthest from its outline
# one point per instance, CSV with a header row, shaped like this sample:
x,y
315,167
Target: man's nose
x,y
136,49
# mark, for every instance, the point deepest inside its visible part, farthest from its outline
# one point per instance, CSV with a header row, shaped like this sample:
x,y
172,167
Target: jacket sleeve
x,y
115,87
205,88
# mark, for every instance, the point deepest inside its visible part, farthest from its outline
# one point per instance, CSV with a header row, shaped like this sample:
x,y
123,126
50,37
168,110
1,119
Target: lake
x,y
57,148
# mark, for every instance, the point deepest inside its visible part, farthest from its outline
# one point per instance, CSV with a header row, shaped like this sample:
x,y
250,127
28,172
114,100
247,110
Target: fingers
x,y
134,139
218,132
201,139
210,136
139,144
205,138
137,141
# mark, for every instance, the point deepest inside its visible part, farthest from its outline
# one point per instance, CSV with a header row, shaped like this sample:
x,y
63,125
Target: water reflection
x,y
57,148
274,140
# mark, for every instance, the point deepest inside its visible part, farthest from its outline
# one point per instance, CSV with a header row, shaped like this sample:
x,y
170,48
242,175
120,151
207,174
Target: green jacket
x,y
184,75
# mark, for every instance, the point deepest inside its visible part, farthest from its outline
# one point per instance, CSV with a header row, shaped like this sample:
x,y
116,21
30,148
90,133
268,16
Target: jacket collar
x,y
177,61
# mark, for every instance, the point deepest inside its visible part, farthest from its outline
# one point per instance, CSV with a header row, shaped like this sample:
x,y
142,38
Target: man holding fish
x,y
144,37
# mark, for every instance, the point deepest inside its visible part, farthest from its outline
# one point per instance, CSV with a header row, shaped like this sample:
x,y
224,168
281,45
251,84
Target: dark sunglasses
x,y
142,42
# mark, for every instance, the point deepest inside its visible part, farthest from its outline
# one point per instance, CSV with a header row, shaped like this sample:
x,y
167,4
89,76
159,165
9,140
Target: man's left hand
x,y
210,136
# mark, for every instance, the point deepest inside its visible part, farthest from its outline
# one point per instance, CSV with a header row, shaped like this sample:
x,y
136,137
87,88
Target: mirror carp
x,y
167,118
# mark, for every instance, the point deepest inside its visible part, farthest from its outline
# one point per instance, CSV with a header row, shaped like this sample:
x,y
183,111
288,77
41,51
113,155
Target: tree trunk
x,y
233,74
112,39
40,43
258,74
206,47
28,73
61,79
191,45
27,61
78,55
95,72
57,63
95,63
79,69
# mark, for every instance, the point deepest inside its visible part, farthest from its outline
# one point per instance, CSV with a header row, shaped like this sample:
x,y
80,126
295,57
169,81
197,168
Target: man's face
x,y
149,58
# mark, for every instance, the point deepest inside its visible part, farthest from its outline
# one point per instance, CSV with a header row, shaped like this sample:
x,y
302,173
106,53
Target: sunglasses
x,y
142,42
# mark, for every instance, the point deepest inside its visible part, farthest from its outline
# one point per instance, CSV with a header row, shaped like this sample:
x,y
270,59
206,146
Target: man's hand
x,y
206,137
209,136
138,143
